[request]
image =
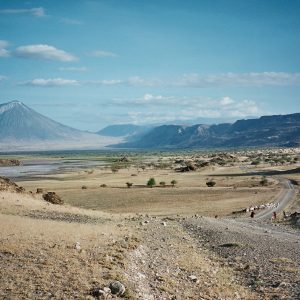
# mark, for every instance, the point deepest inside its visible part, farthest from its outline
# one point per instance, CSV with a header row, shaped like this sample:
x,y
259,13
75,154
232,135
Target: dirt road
x,y
285,196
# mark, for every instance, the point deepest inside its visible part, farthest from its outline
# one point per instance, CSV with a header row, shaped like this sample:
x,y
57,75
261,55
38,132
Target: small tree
x,y
151,182
162,183
210,183
129,184
173,182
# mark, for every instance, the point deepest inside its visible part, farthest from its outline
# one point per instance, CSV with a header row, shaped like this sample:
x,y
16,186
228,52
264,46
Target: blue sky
x,y
89,64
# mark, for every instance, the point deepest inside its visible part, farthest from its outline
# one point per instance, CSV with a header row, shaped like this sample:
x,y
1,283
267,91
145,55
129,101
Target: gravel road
x,y
265,256
286,195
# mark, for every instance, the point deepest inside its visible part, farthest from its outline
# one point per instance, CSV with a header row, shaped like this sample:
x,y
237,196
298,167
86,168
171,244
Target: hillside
x,y
277,130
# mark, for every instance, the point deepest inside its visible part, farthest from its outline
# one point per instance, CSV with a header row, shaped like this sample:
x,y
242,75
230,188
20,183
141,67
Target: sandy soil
x,y
189,196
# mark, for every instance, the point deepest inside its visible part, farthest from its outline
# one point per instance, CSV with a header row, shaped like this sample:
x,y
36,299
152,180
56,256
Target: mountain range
x,y
22,128
277,130
130,132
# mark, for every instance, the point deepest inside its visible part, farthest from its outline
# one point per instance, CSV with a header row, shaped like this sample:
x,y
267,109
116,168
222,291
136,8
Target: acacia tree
x,y
151,182
173,182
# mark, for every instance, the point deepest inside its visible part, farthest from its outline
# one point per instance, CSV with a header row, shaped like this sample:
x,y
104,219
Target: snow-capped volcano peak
x,y
11,105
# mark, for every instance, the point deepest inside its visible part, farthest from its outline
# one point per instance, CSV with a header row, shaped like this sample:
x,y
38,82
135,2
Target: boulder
x,y
53,198
117,288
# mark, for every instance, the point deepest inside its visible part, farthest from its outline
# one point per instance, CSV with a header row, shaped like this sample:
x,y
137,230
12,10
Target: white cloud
x,y
52,82
36,11
101,53
134,81
3,51
240,79
73,69
2,78
155,100
206,81
139,81
226,107
44,52
106,82
226,101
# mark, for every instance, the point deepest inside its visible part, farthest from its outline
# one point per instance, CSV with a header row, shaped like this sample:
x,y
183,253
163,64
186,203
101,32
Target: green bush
x,y
173,182
151,182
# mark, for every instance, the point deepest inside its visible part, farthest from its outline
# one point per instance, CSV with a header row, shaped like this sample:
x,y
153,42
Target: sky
x,y
89,64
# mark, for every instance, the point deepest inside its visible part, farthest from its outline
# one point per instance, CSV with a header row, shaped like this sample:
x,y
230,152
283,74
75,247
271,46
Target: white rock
x,y
193,278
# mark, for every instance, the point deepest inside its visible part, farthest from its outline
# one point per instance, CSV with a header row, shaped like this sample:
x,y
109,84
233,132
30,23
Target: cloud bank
x,y
36,11
240,79
44,52
54,82
207,81
146,109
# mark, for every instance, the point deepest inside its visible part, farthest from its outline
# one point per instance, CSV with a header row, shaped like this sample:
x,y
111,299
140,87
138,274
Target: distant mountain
x,y
22,128
278,130
129,131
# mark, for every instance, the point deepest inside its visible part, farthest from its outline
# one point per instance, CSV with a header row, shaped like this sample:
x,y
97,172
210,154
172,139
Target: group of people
x,y
274,215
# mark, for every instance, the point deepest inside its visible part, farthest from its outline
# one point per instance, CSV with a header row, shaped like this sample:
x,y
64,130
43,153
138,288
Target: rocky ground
x,y
264,256
169,264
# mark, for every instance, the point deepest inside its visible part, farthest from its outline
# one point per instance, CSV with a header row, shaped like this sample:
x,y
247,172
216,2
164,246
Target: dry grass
x,y
39,258
190,196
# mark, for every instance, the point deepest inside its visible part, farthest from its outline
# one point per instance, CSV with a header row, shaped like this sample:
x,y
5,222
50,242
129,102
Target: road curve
x,y
285,196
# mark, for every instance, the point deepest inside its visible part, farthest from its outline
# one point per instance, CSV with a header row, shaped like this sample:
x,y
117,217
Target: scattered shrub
x,y
210,183
173,182
151,182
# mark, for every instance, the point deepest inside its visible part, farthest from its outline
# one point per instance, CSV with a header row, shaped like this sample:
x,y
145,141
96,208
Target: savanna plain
x,y
151,225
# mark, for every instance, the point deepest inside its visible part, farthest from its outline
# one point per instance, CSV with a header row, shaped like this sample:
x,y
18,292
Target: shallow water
x,y
46,167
